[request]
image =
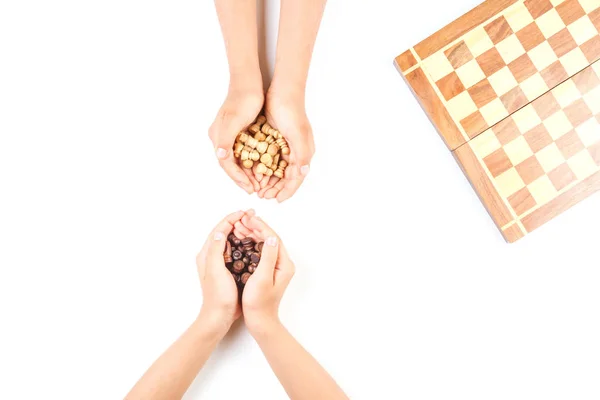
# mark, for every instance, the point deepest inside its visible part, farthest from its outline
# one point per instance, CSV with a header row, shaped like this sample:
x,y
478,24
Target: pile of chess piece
x,y
261,148
242,257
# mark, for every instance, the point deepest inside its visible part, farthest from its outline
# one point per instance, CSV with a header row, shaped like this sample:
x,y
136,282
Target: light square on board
x,y
550,23
478,41
527,118
574,61
542,56
503,81
534,87
589,5
437,66
485,144
589,132
509,183
592,99
550,157
557,125
518,150
542,190
493,111
518,17
582,30
461,106
510,49
582,165
566,93
470,73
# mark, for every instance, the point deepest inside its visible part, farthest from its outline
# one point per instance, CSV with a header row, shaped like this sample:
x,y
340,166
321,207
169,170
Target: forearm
x,y
238,25
298,27
174,371
299,373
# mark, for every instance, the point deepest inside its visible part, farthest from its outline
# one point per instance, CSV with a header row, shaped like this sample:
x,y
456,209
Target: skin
x,y
285,100
299,373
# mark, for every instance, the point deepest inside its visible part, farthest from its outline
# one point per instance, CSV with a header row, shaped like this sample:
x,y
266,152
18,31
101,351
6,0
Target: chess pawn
x,y
268,129
237,149
260,136
269,172
266,159
272,149
270,139
261,169
279,173
247,164
283,164
252,143
244,155
254,128
260,120
243,137
262,147
254,155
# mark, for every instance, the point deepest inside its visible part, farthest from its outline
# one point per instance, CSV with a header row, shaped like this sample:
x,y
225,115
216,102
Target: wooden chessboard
x,y
513,88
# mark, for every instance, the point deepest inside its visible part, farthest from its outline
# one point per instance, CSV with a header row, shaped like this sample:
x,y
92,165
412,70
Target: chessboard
x,y
513,88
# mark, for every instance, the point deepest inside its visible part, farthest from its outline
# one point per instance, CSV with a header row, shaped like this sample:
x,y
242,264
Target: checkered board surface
x,y
546,148
512,88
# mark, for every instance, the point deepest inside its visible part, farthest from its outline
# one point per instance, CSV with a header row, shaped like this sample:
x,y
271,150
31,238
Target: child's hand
x,y
287,114
220,305
265,288
238,111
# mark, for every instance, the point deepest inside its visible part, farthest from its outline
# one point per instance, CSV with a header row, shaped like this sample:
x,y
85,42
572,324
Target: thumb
x,y
223,135
301,153
268,259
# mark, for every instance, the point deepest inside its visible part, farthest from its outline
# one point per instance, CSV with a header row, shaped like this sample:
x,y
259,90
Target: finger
x,y
257,177
275,190
234,171
285,268
241,228
293,182
223,133
223,228
253,181
268,257
271,183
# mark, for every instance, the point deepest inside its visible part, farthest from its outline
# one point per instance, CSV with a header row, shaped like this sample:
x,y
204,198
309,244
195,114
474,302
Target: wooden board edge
x,y
460,26
512,233
486,191
562,203
433,107
405,61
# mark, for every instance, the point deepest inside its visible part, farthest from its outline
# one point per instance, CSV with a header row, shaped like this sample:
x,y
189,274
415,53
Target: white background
x,y
404,287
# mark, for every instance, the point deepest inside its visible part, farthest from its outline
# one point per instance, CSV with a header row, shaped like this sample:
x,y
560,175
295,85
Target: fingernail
x,y
304,170
272,241
221,153
219,236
